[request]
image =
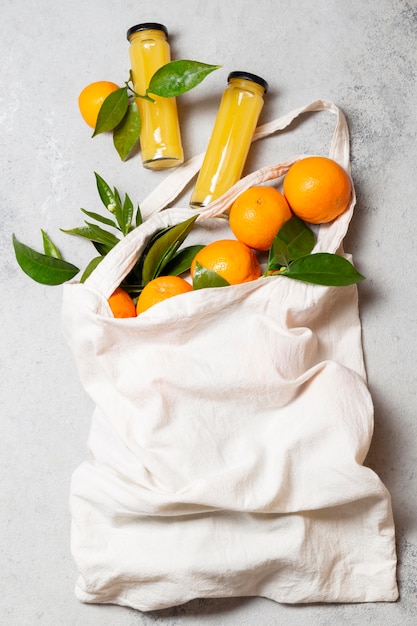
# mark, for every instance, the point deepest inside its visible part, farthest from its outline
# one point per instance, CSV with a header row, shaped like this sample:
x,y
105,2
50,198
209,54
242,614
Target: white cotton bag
x,y
230,430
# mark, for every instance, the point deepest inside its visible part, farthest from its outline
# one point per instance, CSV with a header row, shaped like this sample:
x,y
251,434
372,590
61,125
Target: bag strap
x,y
118,262
170,188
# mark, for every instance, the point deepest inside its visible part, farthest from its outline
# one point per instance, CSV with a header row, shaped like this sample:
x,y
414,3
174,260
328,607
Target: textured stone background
x,y
361,55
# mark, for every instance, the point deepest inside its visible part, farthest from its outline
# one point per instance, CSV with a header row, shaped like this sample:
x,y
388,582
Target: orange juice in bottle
x,y
229,144
160,138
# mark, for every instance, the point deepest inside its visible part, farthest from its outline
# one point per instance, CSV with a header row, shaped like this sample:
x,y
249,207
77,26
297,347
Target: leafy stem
x,y
119,112
163,251
133,93
291,255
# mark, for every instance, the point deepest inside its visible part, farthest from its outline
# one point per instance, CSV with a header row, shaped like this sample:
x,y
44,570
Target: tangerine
x,y
232,260
257,214
92,97
159,289
121,304
317,189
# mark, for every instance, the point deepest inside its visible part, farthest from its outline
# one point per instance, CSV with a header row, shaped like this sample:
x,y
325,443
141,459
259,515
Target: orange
x,y
231,259
256,216
159,289
122,304
317,189
92,97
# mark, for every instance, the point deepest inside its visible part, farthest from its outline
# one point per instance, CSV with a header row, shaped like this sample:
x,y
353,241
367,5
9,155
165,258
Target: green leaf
x,y
90,267
204,277
127,215
94,233
111,200
42,268
106,193
177,77
293,240
273,266
49,247
112,111
118,210
101,235
164,248
323,268
138,218
139,264
126,133
101,248
181,261
276,257
100,218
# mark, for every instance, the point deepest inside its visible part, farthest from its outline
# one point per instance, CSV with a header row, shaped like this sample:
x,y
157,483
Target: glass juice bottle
x,y
160,138
229,144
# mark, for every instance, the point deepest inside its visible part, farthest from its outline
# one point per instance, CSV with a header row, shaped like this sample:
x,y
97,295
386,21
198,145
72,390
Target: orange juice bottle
x,y
229,144
160,138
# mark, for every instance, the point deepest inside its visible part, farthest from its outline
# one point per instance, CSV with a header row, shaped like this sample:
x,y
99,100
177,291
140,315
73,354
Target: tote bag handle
x,y
170,188
118,262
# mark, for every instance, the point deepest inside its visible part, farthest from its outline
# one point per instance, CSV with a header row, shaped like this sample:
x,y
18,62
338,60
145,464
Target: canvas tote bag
x,y
230,430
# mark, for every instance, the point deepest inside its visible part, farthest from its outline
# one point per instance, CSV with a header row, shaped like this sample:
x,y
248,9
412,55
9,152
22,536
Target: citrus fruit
x,y
317,189
122,304
159,289
92,97
232,260
256,216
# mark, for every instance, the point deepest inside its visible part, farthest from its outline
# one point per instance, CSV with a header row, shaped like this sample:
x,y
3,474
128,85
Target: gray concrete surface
x,y
361,55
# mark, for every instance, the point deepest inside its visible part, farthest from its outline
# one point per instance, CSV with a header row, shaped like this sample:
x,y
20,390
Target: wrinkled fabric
x,y
228,440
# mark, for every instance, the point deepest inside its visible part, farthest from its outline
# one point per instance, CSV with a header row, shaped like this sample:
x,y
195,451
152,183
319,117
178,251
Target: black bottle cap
x,y
248,76
146,26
